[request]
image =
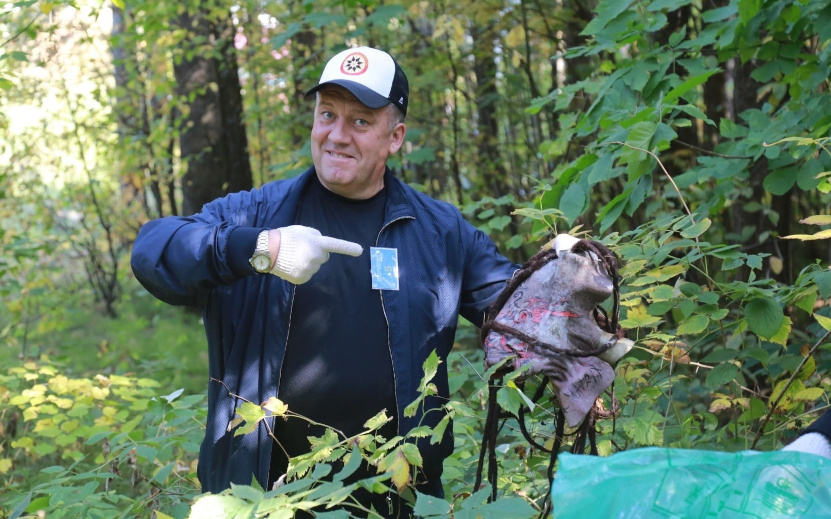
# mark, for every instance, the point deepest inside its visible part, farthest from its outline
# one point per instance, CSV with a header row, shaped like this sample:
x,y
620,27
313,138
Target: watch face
x,y
261,263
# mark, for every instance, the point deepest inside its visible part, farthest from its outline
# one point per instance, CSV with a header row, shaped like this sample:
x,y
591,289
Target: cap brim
x,y
365,95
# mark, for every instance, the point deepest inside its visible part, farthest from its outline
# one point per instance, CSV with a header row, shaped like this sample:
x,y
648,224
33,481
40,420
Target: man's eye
x,y
326,115
361,122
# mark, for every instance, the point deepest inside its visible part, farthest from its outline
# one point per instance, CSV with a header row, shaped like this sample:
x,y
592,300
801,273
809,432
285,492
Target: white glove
x,y
303,250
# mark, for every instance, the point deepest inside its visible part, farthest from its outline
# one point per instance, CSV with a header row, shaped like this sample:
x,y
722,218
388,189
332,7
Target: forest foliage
x,y
690,137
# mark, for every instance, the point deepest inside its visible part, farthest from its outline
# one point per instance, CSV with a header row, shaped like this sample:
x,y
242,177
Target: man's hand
x,y
302,250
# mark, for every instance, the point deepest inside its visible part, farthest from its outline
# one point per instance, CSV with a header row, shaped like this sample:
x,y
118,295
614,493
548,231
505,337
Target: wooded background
x,y
691,137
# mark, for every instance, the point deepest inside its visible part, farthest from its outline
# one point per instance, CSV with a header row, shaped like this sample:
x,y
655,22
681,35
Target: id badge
x,y
384,268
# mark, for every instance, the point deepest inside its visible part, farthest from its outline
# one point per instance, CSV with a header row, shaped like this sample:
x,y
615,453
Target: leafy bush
x,y
104,446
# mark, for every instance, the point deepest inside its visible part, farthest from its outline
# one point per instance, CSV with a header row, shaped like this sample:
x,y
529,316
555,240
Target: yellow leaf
x,y
822,235
720,404
781,337
823,321
817,219
810,394
659,274
400,469
515,36
776,264
275,406
46,7
119,3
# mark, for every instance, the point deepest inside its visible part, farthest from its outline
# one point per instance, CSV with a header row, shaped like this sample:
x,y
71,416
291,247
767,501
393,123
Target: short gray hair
x,y
395,115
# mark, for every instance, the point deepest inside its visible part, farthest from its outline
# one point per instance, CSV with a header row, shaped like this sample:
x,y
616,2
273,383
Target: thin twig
x,y
709,152
21,31
680,196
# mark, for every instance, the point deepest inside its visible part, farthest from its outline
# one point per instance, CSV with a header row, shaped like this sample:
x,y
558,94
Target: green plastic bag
x,y
674,483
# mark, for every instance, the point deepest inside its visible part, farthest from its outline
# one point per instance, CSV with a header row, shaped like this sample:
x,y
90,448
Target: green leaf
x,y
670,5
613,209
806,302
250,415
764,316
698,229
161,475
721,375
40,503
643,432
573,202
639,136
499,222
383,13
438,430
509,399
320,19
780,181
823,281
349,468
97,437
694,325
427,505
720,355
606,12
412,454
677,92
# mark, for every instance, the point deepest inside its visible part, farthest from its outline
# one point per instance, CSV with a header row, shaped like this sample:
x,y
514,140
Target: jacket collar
x,y
399,204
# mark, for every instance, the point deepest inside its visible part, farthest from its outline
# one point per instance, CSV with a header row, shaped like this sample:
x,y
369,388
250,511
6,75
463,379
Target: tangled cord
x,y
586,431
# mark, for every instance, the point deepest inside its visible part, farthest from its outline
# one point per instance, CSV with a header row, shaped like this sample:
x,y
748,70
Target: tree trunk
x,y
212,137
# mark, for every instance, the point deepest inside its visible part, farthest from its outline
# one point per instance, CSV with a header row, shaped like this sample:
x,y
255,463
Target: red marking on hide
x,y
565,314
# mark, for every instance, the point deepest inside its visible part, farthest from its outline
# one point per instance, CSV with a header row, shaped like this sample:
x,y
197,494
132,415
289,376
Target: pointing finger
x,y
340,246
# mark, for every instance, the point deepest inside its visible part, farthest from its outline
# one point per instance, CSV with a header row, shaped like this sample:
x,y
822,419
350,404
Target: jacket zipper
x,y
387,320
280,373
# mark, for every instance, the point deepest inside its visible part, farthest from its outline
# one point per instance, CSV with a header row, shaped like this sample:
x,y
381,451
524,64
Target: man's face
x,y
351,143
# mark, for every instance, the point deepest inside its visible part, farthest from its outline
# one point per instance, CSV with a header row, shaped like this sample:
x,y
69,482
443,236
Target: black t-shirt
x,y
338,366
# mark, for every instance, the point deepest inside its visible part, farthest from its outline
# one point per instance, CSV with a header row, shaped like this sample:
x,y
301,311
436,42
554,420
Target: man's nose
x,y
339,132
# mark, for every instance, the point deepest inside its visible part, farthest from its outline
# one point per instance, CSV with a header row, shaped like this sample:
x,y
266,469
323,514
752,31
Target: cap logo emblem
x,y
354,64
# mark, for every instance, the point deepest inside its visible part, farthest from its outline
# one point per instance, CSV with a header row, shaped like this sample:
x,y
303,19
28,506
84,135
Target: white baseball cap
x,y
371,75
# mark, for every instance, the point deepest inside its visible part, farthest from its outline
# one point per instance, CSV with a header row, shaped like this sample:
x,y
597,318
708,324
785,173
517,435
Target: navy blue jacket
x,y
447,267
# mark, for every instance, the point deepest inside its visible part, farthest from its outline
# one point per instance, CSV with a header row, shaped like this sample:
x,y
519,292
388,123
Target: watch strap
x,y
262,242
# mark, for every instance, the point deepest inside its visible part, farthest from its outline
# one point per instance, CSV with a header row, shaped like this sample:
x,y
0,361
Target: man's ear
x,y
397,140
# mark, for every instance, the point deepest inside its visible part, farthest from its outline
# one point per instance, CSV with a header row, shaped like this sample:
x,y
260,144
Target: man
x,y
336,338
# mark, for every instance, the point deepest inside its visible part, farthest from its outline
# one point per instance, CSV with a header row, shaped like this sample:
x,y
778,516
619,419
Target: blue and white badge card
x,y
384,268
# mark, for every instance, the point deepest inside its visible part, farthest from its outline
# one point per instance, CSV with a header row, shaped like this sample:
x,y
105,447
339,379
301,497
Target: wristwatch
x,y
261,260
